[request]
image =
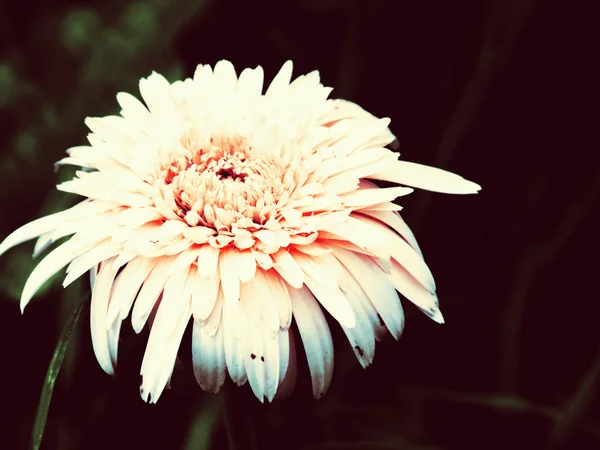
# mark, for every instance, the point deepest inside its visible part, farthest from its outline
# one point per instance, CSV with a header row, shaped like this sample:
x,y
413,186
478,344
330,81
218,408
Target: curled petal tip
x,y
437,316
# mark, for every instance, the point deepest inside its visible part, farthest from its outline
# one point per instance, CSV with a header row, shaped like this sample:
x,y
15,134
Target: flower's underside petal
x,y
378,288
261,360
99,307
398,248
208,357
234,317
414,291
287,364
316,338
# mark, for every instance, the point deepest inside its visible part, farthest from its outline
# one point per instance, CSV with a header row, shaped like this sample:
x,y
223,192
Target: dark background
x,y
497,90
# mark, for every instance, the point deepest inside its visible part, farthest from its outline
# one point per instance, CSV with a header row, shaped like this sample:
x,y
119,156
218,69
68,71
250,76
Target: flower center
x,y
223,183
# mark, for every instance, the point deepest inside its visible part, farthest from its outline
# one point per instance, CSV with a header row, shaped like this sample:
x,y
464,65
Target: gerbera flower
x,y
242,211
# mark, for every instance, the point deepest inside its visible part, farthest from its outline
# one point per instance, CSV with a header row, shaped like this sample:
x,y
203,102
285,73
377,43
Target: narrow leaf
x,y
53,369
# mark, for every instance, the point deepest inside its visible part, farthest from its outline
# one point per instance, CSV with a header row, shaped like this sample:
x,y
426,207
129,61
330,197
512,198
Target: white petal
x,y
251,298
316,338
281,81
176,298
208,357
361,336
228,271
276,304
377,287
33,229
91,258
287,375
204,295
185,259
425,177
408,286
156,93
159,360
233,315
208,259
52,263
395,221
98,309
246,265
151,290
126,287
112,337
400,250
261,359
289,270
250,82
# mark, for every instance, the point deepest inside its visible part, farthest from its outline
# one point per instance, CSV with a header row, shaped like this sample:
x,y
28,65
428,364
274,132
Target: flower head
x,y
242,211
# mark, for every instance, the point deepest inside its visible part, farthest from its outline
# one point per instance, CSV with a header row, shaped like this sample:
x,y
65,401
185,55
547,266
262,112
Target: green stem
x,y
53,369
237,413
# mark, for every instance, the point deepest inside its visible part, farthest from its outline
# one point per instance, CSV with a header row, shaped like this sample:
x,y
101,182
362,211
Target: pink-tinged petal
x,y
208,357
387,206
246,265
262,259
208,260
268,239
428,178
333,241
98,310
199,235
185,259
288,268
316,338
395,221
365,197
314,249
135,217
356,233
